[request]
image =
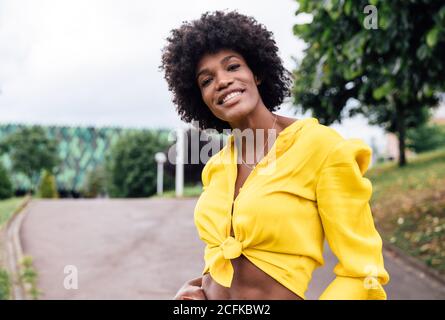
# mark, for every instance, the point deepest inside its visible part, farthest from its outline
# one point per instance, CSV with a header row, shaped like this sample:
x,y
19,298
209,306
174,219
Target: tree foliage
x,y
131,166
31,151
392,74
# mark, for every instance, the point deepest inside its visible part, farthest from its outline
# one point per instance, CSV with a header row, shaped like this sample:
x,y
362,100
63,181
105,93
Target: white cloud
x,y
95,62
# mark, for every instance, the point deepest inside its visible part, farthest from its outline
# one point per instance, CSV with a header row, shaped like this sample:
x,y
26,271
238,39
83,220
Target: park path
x,y
146,249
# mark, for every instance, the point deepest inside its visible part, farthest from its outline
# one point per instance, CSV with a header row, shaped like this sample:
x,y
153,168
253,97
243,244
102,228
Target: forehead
x,y
215,58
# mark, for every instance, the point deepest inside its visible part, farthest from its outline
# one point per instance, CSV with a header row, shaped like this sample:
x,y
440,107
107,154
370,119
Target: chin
x,y
236,113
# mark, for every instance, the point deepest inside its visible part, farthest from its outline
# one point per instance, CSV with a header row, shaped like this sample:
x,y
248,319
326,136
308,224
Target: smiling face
x,y
228,86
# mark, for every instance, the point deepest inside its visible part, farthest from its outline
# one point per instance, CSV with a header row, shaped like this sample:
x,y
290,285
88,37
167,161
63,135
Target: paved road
x,y
146,249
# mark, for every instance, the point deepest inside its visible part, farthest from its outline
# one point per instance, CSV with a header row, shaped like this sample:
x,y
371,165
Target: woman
x,y
264,221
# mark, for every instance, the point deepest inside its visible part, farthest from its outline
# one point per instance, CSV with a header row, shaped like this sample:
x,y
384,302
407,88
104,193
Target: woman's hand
x,y
191,290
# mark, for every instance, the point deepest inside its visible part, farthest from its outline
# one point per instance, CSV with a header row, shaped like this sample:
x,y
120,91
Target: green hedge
x,y
6,190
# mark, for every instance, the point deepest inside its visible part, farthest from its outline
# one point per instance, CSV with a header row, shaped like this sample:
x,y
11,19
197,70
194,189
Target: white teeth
x,y
231,95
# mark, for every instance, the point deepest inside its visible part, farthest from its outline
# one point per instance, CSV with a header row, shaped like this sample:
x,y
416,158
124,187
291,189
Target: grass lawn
x,y
189,191
408,205
7,208
422,172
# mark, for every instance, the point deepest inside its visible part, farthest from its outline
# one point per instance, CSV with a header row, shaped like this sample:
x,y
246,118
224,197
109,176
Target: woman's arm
x,y
343,196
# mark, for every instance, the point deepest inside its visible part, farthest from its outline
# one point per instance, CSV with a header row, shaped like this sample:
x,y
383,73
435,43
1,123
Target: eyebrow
x,y
223,60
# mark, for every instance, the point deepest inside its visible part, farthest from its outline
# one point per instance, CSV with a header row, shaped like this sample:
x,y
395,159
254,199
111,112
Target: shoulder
x,y
340,151
331,148
315,140
321,135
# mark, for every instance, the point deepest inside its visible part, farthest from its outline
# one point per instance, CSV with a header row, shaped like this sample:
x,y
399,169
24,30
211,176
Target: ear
x,y
257,81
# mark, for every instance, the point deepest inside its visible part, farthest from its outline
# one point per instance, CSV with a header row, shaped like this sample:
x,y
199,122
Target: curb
x,y
414,263
14,251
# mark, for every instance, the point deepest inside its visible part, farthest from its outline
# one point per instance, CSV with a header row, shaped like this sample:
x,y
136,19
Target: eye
x,y
205,82
233,67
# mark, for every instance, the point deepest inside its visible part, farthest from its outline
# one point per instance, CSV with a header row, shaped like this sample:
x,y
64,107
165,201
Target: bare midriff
x,y
249,282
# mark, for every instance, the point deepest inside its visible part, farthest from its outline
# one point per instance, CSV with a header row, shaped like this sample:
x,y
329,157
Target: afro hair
x,y
210,34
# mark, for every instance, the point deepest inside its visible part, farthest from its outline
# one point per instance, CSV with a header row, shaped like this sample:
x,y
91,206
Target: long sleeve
x,y
343,196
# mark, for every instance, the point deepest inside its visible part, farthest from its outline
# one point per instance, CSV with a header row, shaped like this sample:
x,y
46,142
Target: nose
x,y
223,83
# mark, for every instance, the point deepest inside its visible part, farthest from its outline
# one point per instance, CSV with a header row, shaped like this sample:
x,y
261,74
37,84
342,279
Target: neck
x,y
260,120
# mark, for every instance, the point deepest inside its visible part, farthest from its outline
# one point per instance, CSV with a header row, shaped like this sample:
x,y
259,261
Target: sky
x,y
95,62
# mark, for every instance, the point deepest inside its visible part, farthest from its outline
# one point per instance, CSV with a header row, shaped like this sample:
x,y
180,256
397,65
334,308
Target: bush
x,y
47,187
95,183
29,277
193,171
6,190
131,167
5,285
426,138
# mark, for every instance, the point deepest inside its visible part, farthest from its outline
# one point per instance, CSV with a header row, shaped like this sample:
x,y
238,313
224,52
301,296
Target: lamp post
x,y
160,159
179,177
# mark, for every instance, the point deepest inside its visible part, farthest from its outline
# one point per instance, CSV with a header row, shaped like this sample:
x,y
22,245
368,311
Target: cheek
x,y
252,87
253,92
208,101
206,97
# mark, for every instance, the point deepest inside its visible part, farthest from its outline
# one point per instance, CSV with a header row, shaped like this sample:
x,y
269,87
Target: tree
x,y
131,166
47,187
31,151
391,69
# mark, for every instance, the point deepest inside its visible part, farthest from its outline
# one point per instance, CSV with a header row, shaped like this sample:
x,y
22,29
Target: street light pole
x,y
160,159
179,177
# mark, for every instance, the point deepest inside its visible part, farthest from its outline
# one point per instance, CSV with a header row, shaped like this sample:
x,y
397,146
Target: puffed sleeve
x,y
343,196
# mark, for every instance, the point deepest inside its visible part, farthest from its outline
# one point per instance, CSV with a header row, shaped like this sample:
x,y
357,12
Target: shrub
x,y
5,285
426,137
29,277
47,187
6,190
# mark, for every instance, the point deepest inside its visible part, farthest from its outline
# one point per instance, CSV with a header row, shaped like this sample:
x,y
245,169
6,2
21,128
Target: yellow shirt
x,y
310,185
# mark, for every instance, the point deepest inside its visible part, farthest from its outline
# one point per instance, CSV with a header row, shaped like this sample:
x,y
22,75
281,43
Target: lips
x,y
229,95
